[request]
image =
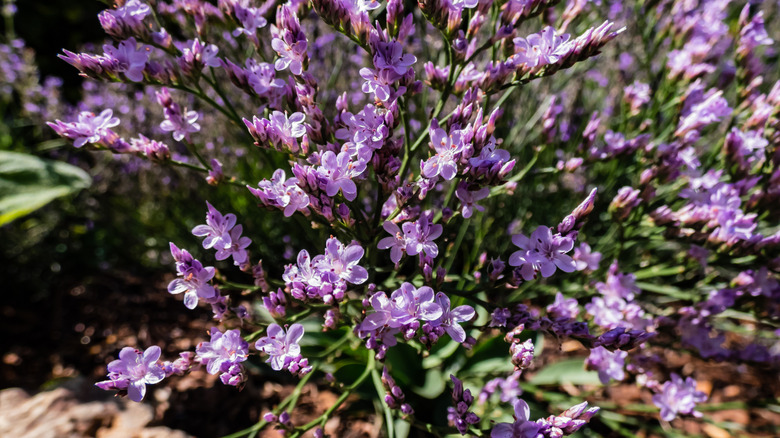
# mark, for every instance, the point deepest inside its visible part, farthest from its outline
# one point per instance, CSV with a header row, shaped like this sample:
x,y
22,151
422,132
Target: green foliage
x,y
27,183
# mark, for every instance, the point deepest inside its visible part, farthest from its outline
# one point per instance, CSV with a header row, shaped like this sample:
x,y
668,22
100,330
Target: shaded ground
x,y
71,337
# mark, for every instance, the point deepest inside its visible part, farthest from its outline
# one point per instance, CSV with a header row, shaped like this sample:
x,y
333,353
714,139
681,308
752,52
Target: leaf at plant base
x,y
27,183
570,371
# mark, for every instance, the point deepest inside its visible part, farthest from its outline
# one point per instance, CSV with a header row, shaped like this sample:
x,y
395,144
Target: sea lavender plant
x,y
348,116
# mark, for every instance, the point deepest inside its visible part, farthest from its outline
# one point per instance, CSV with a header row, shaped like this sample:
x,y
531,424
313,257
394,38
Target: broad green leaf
x,y
568,371
27,183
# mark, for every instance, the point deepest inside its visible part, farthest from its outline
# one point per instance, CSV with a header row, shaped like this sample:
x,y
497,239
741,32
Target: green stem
x,y
370,364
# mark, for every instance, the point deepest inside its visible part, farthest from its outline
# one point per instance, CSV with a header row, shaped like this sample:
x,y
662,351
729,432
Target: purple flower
x,y
447,148
251,19
543,251
701,109
339,171
521,428
678,396
389,56
281,346
451,318
194,278
180,122
237,248
377,82
89,128
288,41
223,351
197,55
584,258
281,193
287,129
469,199
563,307
411,304
540,49
194,282
340,262
216,230
128,58
396,242
133,371
609,364
262,78
420,235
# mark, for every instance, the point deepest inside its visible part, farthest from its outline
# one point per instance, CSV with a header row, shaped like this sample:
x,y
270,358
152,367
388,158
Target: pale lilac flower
x,y
420,235
459,5
396,242
216,230
289,41
223,350
133,371
262,78
282,346
390,56
340,262
287,129
609,364
540,49
410,304
237,248
377,82
180,124
128,58
678,396
339,171
251,19
89,128
469,199
563,307
197,55
447,147
194,283
451,318
523,427
282,193
543,250
584,258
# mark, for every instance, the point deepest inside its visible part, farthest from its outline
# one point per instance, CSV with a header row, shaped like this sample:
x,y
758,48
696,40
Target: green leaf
x,y
27,183
568,371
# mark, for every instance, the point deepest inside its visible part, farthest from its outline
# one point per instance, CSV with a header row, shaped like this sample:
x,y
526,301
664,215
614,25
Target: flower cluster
x,y
325,277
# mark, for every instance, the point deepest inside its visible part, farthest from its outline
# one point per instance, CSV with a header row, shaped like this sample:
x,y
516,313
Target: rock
x,y
60,414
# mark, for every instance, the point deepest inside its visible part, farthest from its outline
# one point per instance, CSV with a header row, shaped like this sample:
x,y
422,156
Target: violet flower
x,y
523,427
609,364
419,236
340,262
678,396
128,58
540,49
469,199
447,147
281,193
282,346
339,171
451,318
396,242
223,353
89,128
133,371
544,251
216,230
